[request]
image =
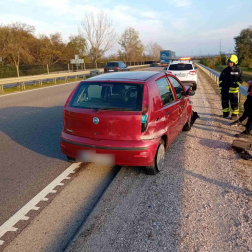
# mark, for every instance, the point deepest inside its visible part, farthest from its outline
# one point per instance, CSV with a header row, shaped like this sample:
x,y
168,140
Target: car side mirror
x,y
191,92
165,68
195,68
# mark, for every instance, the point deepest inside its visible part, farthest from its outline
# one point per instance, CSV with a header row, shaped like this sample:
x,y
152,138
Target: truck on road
x,y
166,56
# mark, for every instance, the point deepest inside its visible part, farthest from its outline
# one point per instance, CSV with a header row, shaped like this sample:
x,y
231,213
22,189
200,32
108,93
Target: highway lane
x,y
30,126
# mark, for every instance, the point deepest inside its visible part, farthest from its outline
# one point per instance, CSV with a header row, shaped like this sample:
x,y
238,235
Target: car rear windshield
x,y
108,96
180,67
112,64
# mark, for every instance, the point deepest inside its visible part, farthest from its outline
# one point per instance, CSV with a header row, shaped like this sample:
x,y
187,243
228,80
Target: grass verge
x,y
36,86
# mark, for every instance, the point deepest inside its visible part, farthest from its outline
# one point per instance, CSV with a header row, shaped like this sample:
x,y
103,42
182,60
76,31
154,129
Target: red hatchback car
x,y
130,117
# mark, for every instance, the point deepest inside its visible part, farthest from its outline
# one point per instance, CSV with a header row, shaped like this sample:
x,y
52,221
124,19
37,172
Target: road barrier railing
x,y
215,76
28,80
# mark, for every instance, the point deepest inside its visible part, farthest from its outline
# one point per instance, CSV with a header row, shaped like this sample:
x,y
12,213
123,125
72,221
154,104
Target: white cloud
x,y
19,1
180,3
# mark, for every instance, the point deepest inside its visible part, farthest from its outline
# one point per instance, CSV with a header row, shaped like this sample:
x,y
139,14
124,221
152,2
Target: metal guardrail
x,y
215,76
28,80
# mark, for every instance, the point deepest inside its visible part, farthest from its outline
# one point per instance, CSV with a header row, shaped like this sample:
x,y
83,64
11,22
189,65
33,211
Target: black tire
x,y
157,166
188,125
70,159
194,88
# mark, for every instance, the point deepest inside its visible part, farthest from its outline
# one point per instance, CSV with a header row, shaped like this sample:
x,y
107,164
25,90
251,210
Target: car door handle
x,y
168,113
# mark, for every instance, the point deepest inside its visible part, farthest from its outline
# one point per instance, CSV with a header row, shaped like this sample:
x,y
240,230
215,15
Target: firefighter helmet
x,y
233,58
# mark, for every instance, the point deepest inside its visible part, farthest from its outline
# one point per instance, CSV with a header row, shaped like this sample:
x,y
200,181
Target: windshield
x,y
180,67
112,64
108,96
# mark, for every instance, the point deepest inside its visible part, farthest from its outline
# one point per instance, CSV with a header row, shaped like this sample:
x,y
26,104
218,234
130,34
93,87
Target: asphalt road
x,y
30,127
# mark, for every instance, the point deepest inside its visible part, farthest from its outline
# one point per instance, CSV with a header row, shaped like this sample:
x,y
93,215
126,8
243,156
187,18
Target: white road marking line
x,y
31,205
21,92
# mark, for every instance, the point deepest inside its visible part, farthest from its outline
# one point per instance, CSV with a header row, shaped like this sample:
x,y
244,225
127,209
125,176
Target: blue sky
x,y
185,26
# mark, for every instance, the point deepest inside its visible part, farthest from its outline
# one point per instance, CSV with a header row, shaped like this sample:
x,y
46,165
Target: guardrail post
x,y
47,68
84,77
76,77
54,80
66,79
23,85
1,89
40,83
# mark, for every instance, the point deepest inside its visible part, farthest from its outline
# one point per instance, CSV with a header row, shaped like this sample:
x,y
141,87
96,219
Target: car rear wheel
x,y
158,163
194,88
70,159
188,125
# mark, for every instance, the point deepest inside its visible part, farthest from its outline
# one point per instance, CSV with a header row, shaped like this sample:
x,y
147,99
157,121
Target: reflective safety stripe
x,y
235,112
220,82
238,83
225,110
233,92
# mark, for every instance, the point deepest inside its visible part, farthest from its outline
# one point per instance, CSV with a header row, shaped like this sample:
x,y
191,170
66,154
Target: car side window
x,y
165,91
178,87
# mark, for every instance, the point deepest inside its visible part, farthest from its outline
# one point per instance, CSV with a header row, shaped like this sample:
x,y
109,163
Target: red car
x,y
128,117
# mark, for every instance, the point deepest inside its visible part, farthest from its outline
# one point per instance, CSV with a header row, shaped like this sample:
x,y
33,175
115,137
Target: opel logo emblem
x,y
95,120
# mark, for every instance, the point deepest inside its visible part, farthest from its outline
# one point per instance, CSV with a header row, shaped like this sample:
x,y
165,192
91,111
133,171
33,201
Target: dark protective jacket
x,y
230,80
247,105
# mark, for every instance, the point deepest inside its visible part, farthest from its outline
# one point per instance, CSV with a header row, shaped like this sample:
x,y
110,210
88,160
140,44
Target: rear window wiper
x,y
114,109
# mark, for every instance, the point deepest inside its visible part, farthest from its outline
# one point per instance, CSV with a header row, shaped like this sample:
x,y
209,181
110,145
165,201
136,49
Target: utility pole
x,y
220,46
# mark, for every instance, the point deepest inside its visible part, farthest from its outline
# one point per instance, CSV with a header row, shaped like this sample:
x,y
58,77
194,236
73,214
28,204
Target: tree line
x,y
243,49
97,36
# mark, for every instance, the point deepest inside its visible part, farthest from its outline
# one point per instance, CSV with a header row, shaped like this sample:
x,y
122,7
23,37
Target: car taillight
x,y
192,72
117,68
144,123
145,109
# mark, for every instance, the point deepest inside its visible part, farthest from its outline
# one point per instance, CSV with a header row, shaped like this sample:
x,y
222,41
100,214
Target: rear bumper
x,y
127,153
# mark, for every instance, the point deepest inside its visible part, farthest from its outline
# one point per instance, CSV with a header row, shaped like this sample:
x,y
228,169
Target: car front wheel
x,y
188,125
158,163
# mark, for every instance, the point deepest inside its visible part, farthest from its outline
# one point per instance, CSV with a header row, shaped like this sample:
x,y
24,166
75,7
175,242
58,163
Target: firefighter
x,y
247,107
247,113
230,80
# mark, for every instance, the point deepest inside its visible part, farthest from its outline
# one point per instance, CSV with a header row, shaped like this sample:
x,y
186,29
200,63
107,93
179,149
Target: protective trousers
x,y
249,123
231,98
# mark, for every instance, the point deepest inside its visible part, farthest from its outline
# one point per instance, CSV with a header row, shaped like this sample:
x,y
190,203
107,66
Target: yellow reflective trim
x,y
220,82
231,88
225,110
233,92
238,83
235,112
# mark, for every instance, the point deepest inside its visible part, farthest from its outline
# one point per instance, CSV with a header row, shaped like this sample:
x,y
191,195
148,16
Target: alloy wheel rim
x,y
160,157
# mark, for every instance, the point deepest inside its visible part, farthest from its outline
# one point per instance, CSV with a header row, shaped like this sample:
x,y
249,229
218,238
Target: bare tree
x,y
131,45
99,33
153,50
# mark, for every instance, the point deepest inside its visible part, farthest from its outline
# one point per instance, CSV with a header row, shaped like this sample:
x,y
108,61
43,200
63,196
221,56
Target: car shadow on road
x,y
224,185
212,143
35,128
214,130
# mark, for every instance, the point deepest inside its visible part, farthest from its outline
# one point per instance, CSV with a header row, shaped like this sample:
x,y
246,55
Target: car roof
x,y
136,75
181,61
